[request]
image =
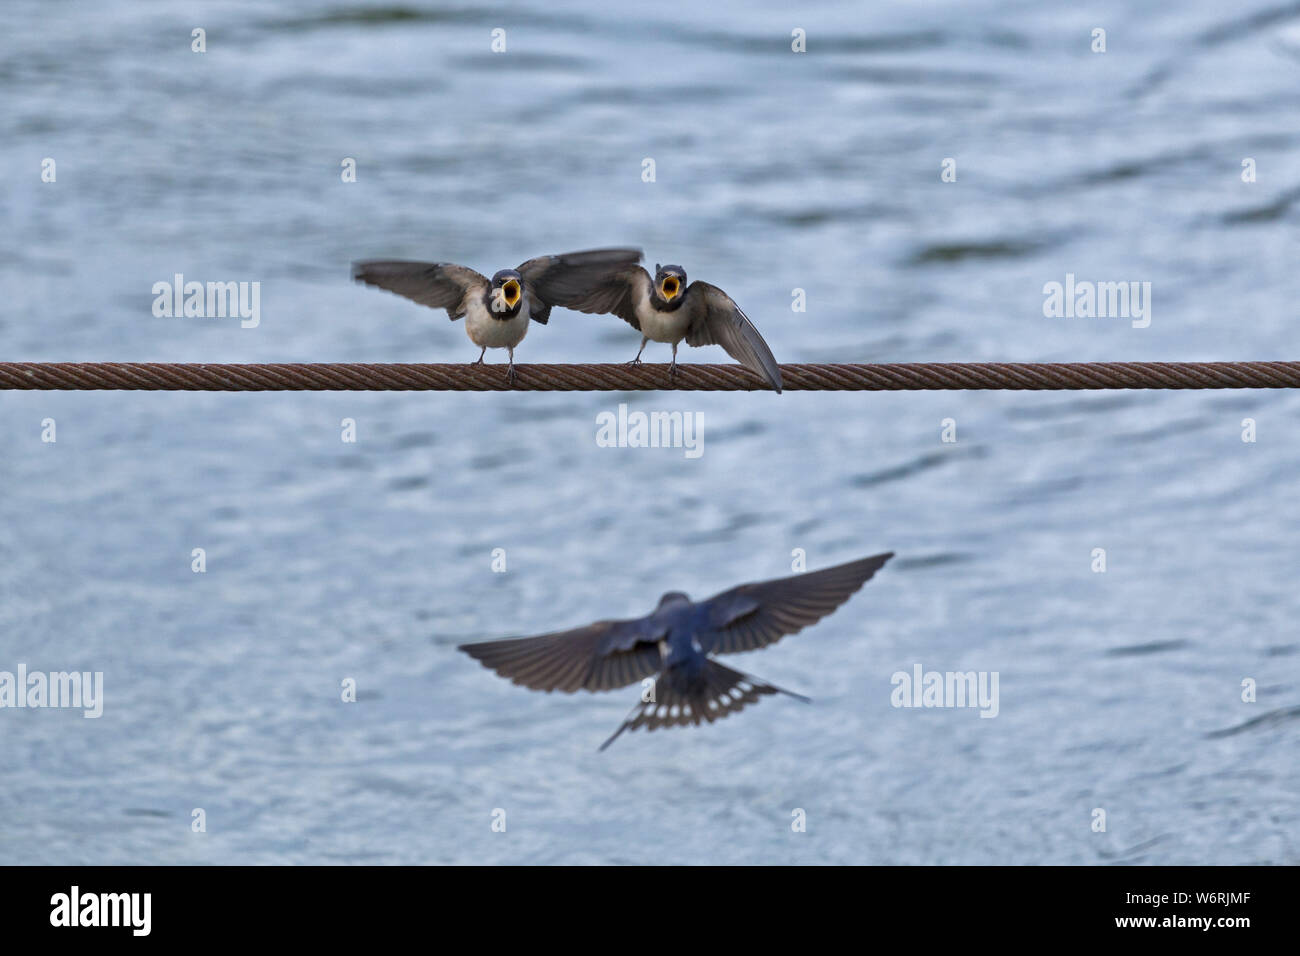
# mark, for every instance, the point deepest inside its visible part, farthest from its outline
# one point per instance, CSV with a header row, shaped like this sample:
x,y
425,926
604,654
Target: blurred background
x,y
774,171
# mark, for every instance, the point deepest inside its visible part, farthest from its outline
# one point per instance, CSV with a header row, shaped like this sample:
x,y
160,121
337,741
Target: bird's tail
x,y
718,692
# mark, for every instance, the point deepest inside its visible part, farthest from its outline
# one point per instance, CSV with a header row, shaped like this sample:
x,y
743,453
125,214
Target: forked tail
x,y
718,692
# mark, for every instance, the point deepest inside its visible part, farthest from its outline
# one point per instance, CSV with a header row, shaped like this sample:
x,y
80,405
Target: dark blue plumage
x,y
669,650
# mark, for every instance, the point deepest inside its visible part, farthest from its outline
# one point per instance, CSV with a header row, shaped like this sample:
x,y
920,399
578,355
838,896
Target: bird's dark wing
x,y
717,320
756,615
717,692
439,285
573,277
614,292
599,656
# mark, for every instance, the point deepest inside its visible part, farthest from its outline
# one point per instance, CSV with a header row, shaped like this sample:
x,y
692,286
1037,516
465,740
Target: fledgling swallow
x,y
673,644
496,311
667,309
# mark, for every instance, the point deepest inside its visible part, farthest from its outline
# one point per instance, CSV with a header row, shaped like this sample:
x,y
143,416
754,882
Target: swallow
x,y
667,309
673,645
497,310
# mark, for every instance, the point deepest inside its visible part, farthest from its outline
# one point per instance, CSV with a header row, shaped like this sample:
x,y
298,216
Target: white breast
x,y
486,331
660,326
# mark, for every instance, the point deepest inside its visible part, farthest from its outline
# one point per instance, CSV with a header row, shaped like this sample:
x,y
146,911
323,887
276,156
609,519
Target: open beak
x,y
670,288
511,292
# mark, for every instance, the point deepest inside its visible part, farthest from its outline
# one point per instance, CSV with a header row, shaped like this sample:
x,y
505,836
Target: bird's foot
x,y
511,376
635,361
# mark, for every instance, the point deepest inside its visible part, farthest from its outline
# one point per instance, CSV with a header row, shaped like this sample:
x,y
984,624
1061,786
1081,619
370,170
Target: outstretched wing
x,y
573,277
599,656
756,615
439,285
717,320
615,293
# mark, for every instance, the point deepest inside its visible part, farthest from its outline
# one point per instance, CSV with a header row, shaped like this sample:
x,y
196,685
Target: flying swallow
x,y
496,311
673,645
666,309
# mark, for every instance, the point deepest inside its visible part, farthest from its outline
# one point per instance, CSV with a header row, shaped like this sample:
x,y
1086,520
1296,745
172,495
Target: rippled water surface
x,y
774,171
